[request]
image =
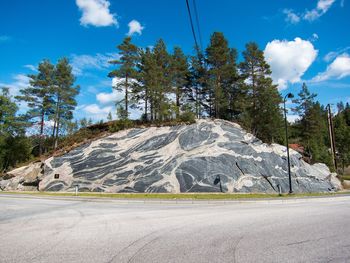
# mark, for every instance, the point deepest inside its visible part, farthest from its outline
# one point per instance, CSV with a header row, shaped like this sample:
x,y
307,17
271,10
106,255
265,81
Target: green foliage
x,y
39,96
187,117
129,57
14,146
64,93
263,115
13,150
121,125
179,77
342,136
109,116
311,128
222,76
8,110
50,96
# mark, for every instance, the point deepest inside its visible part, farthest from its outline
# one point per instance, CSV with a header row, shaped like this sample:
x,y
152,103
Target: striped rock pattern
x,y
184,159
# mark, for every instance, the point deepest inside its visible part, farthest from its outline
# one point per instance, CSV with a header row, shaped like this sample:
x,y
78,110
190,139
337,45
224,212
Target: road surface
x,y
65,230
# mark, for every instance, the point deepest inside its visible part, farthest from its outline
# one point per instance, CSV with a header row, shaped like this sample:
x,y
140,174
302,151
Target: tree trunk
x,y
57,123
177,102
57,129
41,132
146,99
126,96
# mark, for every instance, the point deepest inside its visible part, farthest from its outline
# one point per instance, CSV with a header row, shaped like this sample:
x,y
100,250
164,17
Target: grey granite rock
x,y
178,159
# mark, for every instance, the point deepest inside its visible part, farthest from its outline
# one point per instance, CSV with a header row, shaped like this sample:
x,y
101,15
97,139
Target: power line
x,y
197,22
193,32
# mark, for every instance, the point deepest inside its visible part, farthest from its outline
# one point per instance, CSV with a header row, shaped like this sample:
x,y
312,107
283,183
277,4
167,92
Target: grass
x,y
181,196
345,177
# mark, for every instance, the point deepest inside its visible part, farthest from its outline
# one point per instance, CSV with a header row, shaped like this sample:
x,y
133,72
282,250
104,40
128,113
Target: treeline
x,y
171,86
209,84
214,84
312,130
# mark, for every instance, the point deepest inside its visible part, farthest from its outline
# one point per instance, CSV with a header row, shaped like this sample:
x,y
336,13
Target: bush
x,y
121,125
14,150
187,117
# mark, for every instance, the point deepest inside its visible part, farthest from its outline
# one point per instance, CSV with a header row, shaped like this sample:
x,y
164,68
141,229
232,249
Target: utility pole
x,y
289,96
331,135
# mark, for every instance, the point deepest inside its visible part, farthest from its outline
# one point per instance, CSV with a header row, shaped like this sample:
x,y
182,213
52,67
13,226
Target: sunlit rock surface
x,y
182,159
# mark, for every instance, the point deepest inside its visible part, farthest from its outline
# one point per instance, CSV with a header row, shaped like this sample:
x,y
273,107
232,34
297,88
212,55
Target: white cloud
x,y
110,98
80,63
96,13
19,81
321,8
114,96
95,109
291,17
333,54
309,15
31,67
292,118
289,60
338,69
314,37
135,27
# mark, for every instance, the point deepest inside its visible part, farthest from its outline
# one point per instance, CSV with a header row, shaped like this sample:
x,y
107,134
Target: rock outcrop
x,y
187,158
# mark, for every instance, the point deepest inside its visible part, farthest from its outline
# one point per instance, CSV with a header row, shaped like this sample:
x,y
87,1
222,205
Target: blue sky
x,y
303,40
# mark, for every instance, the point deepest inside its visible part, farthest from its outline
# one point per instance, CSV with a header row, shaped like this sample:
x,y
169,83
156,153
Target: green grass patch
x,y
345,177
181,196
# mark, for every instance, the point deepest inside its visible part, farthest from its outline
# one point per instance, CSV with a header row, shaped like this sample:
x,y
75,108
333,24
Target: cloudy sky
x,y
303,41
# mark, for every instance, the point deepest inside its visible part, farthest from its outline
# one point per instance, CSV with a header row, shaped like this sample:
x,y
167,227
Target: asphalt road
x,y
63,230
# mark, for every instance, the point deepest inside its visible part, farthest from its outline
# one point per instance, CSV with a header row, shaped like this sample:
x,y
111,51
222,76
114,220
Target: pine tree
x,y
305,101
8,110
196,93
14,146
179,76
144,88
220,60
64,93
263,115
129,57
162,81
109,116
312,126
38,96
342,136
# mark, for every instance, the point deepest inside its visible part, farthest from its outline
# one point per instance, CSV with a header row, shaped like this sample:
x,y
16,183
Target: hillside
x,y
185,158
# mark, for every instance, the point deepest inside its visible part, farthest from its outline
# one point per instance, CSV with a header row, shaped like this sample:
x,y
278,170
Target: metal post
x,y
329,117
331,136
76,190
279,189
289,95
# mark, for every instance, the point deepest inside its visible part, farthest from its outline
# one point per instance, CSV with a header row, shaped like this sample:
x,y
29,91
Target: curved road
x,y
66,230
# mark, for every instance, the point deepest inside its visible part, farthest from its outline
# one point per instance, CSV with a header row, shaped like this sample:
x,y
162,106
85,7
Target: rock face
x,y
183,159
26,178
